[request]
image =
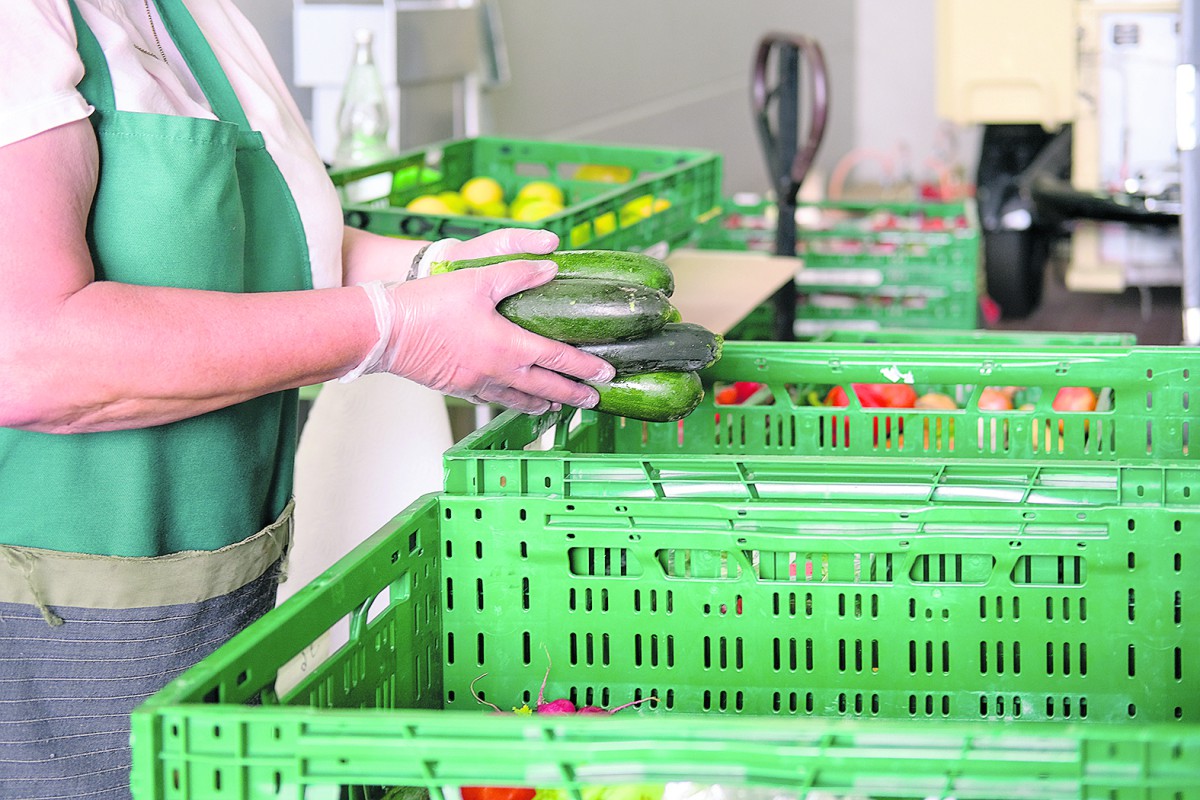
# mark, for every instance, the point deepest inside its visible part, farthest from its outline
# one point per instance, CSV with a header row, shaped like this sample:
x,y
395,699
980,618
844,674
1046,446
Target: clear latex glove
x,y
445,333
494,243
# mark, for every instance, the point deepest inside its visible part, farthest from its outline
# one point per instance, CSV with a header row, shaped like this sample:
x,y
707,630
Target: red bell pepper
x,y
875,395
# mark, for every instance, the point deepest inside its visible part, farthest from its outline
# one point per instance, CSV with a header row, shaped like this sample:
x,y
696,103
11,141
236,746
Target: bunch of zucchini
x,y
616,305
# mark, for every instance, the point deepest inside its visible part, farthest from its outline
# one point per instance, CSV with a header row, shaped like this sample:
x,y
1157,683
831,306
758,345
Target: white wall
x,y
273,19
895,111
664,72
677,73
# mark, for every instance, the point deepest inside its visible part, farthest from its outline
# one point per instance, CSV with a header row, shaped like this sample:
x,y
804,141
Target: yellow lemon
x,y
586,231
542,190
481,190
514,208
636,209
580,235
603,173
454,201
533,210
496,209
429,204
605,223
639,205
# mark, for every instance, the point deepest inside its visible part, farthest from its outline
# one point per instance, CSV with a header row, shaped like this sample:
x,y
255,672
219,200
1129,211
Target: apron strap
x,y
96,85
202,61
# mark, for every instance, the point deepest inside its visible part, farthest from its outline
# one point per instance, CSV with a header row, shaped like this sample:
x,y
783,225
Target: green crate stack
x,y
979,336
685,184
810,601
855,650
867,265
780,441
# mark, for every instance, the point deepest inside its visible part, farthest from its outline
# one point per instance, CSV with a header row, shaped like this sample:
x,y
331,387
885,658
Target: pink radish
x,y
560,706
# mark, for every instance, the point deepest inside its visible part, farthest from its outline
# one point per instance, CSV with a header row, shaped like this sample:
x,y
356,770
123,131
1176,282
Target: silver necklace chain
x,y
153,32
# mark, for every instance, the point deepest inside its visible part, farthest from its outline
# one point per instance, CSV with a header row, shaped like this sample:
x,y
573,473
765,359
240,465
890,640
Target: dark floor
x,y
1153,315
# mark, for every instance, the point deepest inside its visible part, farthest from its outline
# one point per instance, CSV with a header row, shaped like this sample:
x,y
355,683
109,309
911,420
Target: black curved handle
x,y
787,160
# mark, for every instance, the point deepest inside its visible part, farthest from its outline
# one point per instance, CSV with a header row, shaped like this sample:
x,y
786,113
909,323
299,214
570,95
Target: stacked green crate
x,y
853,601
849,650
674,190
866,265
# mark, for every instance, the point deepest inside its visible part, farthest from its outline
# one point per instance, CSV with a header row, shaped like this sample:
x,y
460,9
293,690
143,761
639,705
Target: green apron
x,y
146,549
181,202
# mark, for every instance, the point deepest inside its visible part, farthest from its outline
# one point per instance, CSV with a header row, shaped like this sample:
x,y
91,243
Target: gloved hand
x,y
444,332
495,243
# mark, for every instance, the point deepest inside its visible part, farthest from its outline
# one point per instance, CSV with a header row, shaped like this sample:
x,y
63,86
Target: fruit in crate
x,y
480,191
936,401
993,399
603,173
429,204
875,395
542,190
641,207
498,209
531,210
454,201
1074,398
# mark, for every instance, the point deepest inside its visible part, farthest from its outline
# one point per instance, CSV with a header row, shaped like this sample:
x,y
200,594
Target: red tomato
x,y
936,400
992,399
497,793
1074,398
874,395
740,392
837,397
746,390
727,396
896,395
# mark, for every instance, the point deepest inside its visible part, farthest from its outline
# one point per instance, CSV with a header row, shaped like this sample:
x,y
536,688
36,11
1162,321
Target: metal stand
x,y
1186,112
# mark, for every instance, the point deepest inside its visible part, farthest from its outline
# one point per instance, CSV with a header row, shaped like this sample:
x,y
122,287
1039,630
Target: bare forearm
x,y
371,257
114,356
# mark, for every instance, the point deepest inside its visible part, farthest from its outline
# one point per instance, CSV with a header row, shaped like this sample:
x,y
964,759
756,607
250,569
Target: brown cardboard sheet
x,y
717,288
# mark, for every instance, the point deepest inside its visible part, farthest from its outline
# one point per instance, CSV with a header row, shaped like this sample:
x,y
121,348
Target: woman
x,y
172,265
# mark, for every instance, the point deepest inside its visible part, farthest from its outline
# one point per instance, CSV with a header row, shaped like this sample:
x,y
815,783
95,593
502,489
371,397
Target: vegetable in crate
x,y
875,395
607,265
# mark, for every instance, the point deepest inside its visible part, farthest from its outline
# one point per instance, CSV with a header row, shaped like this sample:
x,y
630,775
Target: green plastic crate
x,y
859,650
867,265
1136,444
974,336
689,180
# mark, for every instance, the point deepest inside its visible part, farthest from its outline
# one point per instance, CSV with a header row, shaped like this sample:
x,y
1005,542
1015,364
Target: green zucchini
x,y
585,311
678,347
617,266
651,396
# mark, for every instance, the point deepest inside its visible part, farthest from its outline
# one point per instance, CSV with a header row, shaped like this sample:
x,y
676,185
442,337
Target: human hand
x,y
494,243
448,335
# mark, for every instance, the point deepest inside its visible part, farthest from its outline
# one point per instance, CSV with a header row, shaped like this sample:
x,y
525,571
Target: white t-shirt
x,y
40,68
